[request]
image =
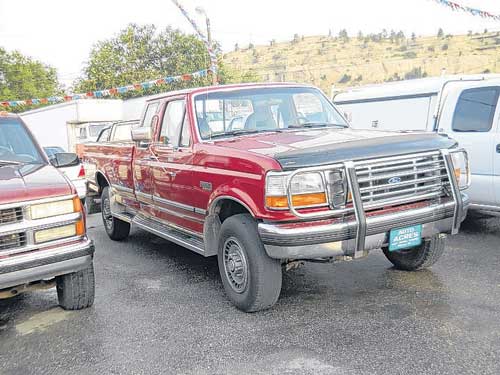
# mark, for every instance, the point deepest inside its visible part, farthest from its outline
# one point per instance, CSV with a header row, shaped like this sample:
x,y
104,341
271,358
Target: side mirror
x,y
65,159
142,134
145,133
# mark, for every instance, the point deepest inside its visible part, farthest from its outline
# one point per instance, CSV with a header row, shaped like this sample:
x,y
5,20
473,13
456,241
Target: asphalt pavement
x,y
160,309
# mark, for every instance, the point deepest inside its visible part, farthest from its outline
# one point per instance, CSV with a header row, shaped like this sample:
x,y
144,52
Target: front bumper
x,y
337,238
45,263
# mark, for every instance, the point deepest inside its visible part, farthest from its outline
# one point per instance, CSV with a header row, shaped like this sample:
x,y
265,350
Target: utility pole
x,y
202,11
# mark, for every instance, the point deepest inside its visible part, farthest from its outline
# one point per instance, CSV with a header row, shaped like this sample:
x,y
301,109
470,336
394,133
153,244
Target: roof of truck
x,y
206,89
414,87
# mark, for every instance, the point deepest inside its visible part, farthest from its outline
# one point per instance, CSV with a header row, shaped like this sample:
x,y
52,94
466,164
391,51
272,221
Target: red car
x,y
277,177
43,239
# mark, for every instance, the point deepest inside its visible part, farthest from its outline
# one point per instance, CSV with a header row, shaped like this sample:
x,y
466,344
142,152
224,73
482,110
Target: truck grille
x,y
391,179
12,241
11,215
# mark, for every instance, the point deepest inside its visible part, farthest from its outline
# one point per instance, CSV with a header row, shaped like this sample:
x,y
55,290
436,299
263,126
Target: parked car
x,y
75,172
282,189
464,107
43,239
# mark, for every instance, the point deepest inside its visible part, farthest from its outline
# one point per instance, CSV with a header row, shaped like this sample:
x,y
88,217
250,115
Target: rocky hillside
x,y
349,61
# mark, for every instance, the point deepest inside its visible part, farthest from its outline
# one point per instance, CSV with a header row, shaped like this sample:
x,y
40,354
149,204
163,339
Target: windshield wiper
x,y
316,125
243,131
9,162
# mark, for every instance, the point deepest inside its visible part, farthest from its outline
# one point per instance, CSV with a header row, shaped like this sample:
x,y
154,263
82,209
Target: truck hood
x,y
315,147
19,183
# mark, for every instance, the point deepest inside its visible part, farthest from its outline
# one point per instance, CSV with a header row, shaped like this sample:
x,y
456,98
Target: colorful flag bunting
x,y
106,92
475,12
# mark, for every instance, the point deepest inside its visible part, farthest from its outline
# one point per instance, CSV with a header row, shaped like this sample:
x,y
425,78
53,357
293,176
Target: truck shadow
x,y
477,223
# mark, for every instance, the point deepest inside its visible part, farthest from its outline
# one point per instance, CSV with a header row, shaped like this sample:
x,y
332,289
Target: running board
x,y
174,235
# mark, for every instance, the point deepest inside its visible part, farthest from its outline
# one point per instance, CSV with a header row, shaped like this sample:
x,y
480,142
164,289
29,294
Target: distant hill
x,y
351,61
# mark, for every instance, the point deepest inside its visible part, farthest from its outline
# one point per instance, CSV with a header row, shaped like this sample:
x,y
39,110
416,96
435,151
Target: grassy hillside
x,y
344,61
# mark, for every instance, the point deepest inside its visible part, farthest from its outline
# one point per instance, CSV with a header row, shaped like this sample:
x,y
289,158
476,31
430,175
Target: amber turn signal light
x,y
299,200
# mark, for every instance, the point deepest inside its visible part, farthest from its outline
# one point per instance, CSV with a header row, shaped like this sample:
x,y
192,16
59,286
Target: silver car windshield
x,y
266,109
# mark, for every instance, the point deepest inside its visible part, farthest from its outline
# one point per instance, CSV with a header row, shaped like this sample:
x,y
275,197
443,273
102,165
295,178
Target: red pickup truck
x,y
268,175
43,239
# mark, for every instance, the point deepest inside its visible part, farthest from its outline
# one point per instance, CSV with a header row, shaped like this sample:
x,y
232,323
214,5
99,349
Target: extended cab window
x,y
475,110
122,133
171,127
150,112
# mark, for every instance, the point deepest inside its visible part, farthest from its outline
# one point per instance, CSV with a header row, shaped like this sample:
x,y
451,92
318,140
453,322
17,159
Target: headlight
x,y
307,189
44,210
461,168
56,233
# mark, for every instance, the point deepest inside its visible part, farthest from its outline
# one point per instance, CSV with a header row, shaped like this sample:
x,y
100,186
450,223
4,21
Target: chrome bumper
x,y
363,231
339,239
45,264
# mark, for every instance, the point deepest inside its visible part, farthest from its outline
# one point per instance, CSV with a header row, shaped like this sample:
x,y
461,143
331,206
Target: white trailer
x,y
68,124
465,108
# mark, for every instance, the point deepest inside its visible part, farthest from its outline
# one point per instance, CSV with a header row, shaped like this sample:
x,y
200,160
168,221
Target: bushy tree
x,y
343,35
22,77
440,33
142,53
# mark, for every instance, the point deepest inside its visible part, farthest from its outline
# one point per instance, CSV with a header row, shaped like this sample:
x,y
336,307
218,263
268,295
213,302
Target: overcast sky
x,y
61,33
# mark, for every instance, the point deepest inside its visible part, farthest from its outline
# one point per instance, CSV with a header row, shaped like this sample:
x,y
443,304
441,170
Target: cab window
x,y
122,133
173,119
150,112
475,110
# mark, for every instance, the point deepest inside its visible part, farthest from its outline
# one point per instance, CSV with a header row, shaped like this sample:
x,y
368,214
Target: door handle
x,y
171,174
498,148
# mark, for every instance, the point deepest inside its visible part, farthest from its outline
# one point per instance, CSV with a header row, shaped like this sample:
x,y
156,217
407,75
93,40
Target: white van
x,y
464,107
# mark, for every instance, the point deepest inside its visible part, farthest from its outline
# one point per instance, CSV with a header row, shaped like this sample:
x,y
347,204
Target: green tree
x,y
141,53
440,33
22,77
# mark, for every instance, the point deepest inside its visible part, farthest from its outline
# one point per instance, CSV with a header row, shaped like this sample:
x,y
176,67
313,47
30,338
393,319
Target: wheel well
x,y
227,207
101,182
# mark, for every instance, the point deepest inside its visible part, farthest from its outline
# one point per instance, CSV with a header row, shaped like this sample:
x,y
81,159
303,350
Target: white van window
x,y
475,110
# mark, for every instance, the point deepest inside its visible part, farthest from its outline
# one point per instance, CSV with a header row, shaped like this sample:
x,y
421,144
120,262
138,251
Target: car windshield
x,y
231,113
16,145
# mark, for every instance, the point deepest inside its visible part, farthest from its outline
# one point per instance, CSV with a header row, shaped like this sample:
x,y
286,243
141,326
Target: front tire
x,y
116,229
76,291
251,279
418,258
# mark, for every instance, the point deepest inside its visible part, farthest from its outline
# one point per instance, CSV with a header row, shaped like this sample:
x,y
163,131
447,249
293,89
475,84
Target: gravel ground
x,y
161,309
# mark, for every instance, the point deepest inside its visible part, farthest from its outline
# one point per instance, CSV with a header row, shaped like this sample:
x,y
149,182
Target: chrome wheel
x,y
106,213
235,265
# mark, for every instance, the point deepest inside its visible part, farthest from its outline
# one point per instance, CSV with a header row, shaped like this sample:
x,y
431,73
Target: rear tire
x,y
116,229
251,279
418,258
76,291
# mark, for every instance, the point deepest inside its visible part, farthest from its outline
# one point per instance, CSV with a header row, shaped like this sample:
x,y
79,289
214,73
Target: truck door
x,y
172,169
474,126
141,164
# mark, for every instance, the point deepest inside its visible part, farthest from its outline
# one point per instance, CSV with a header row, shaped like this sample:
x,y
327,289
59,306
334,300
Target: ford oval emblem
x,y
394,180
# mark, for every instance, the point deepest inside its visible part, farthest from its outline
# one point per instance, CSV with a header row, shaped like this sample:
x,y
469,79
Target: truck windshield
x,y
231,113
16,145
